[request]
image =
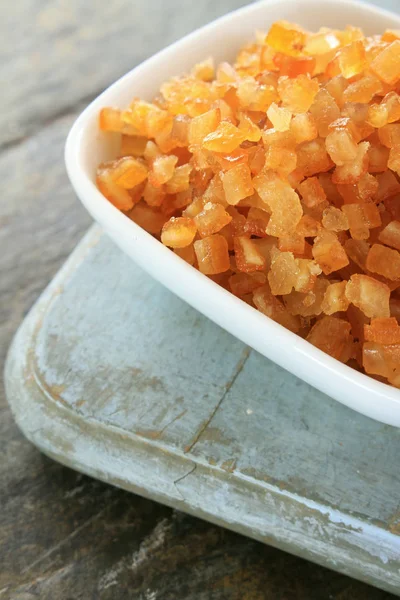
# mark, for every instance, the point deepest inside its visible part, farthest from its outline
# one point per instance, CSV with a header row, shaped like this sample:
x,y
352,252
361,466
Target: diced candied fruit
x,y
247,255
378,158
362,90
264,246
383,331
384,261
212,254
297,94
321,43
352,171
211,219
118,196
292,67
352,59
110,120
162,170
329,253
293,242
178,232
287,38
361,218
256,222
237,183
279,116
386,65
335,298
394,159
153,196
335,219
282,160
324,110
250,130
390,35
253,96
127,172
304,128
179,182
132,145
203,125
308,227
332,335
388,186
341,146
336,87
389,135
390,235
225,138
147,118
282,200
187,254
273,308
312,192
283,274
245,283
148,217
374,360
312,158
205,70
307,304
369,295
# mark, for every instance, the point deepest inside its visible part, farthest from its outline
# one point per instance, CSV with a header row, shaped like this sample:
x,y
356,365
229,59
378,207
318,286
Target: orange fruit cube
x,y
225,138
237,183
178,232
127,172
312,192
363,90
312,158
294,242
388,186
389,135
297,94
332,335
253,96
307,304
283,273
132,145
273,308
251,131
153,196
341,146
329,253
384,261
187,254
212,254
303,127
308,227
374,360
352,171
390,235
246,283
334,219
352,59
383,331
335,298
179,182
369,295
256,222
324,111
361,218
394,159
204,70
291,66
110,120
286,38
386,65
162,170
211,219
147,217
282,201
117,195
279,116
202,125
247,255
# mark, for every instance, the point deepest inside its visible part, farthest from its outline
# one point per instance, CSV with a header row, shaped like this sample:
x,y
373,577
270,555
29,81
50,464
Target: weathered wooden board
x,y
116,377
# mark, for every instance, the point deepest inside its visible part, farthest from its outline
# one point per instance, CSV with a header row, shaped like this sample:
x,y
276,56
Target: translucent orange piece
x,y
356,115
386,65
212,254
352,171
203,125
292,67
361,218
237,183
248,257
324,110
279,139
110,120
132,145
352,59
312,158
204,70
256,222
329,253
341,146
251,131
215,191
303,127
330,189
287,38
294,242
279,159
273,308
334,219
147,118
245,283
211,219
147,217
283,273
178,232
308,227
153,196
390,35
369,295
282,200
312,192
390,235
388,186
363,90
335,298
127,172
115,194
297,94
378,158
225,138
180,180
253,96
374,360
279,116
336,87
383,331
332,335
187,254
362,191
307,304
321,43
389,135
162,170
384,261
394,159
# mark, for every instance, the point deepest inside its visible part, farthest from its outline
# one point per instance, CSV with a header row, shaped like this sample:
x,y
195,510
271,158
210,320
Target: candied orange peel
x,y
278,177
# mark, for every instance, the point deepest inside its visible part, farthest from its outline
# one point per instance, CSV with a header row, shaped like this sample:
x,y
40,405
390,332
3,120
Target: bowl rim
x,y
297,351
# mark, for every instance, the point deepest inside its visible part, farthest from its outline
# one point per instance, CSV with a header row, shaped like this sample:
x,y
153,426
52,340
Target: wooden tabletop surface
x,y
63,535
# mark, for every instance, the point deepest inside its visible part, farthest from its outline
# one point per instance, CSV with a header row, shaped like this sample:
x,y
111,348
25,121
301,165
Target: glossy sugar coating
x,y
278,177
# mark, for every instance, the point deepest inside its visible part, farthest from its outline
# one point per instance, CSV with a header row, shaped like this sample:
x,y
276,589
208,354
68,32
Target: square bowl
x,y
86,147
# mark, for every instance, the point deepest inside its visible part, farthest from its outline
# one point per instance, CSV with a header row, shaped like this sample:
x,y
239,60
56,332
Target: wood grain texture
x,y
64,535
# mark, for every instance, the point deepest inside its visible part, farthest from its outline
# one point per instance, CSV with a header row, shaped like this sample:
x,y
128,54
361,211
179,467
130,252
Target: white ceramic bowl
x,y
86,147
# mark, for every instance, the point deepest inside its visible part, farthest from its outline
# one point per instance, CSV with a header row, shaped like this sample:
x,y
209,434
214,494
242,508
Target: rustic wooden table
x,y
64,535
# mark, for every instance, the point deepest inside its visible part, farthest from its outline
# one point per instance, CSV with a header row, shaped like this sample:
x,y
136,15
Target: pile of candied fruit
x,y
278,177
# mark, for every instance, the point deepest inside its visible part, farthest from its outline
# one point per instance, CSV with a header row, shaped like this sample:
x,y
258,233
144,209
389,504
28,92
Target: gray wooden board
x,y
114,376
